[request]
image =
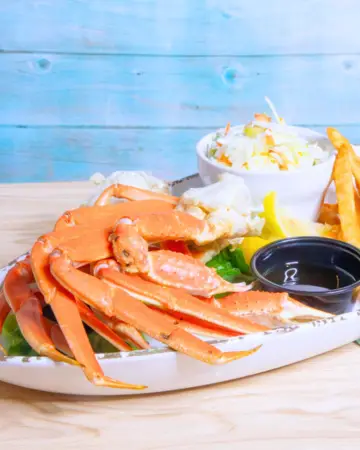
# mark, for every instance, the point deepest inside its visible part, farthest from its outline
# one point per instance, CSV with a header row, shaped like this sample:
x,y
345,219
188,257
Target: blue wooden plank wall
x,y
99,85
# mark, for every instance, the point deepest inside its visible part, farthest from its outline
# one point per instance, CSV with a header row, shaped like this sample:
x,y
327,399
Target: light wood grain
x,y
312,405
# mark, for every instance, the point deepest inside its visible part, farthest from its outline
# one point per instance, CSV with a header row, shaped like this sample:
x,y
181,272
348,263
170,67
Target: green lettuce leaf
x,y
231,265
14,342
101,345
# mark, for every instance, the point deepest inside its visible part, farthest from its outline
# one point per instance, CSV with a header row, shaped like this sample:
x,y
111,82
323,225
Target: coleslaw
x,y
265,145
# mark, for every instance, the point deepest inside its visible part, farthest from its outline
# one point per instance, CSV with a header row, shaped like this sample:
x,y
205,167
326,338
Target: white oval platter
x,y
164,370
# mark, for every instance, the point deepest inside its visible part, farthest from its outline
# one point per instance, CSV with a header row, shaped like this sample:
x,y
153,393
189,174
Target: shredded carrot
x,y
262,117
219,144
227,129
225,160
284,162
269,140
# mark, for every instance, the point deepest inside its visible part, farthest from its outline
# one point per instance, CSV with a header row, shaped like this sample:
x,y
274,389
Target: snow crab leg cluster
x,y
100,267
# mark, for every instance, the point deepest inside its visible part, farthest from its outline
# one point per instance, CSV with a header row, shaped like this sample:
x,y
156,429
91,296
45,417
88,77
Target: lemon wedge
x,y
250,245
278,225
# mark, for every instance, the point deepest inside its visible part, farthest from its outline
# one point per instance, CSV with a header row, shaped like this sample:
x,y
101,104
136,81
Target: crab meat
x,y
226,206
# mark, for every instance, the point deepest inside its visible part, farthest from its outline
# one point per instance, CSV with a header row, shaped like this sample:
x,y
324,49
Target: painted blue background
x,y
100,85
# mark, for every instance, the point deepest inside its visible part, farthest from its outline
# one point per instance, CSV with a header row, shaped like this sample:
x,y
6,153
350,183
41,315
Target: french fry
x,y
324,210
342,144
355,164
333,232
346,195
339,141
329,214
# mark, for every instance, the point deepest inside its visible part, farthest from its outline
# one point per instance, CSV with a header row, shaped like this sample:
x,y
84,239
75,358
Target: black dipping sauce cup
x,y
320,272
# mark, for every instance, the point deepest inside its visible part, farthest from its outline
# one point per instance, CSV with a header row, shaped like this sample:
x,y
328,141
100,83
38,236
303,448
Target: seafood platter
x,y
151,285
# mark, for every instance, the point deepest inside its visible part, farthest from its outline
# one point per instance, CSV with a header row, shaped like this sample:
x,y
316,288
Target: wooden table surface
x,y
313,405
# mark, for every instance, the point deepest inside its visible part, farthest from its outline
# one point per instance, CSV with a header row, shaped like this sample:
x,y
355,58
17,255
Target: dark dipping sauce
x,y
309,278
319,272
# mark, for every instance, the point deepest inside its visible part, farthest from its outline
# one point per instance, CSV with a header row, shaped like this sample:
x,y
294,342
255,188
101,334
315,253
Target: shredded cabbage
x,y
263,145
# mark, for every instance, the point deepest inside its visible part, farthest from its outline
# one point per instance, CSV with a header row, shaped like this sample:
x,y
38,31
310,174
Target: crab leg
x,y
274,308
101,328
130,238
57,336
203,329
4,312
4,309
185,272
106,216
28,312
132,193
195,326
126,331
122,328
114,302
65,309
88,317
179,301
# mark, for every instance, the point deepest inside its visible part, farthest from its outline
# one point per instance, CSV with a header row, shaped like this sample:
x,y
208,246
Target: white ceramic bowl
x,y
299,192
